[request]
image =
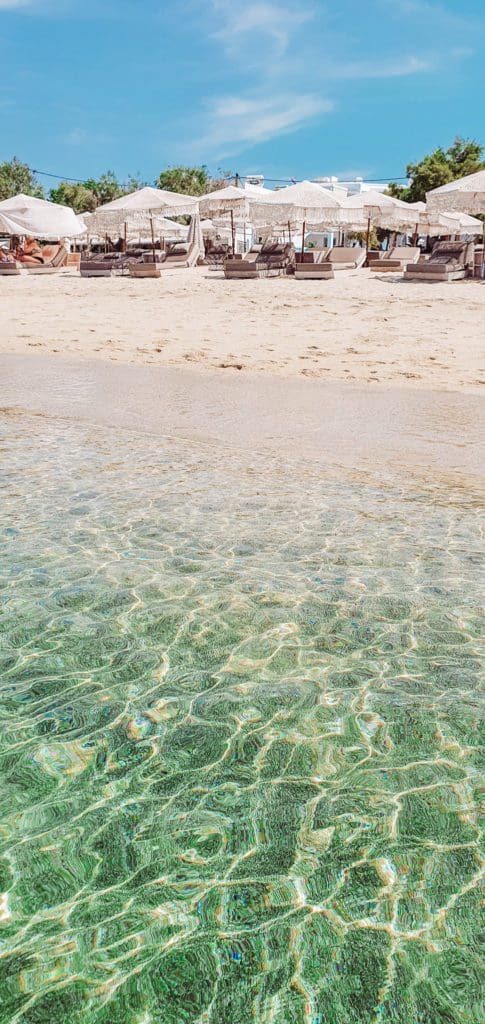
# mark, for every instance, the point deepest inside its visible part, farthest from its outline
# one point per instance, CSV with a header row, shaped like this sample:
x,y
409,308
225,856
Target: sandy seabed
x,y
358,327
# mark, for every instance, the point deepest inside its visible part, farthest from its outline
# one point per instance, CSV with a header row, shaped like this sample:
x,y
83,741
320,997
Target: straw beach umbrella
x,y
231,199
138,211
299,205
26,215
466,195
378,210
468,225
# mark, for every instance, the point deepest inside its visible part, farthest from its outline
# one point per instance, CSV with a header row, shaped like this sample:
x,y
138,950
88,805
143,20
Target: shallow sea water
x,y
240,738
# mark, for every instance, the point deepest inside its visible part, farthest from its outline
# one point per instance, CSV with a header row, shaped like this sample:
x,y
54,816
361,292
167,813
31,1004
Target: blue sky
x,y
282,87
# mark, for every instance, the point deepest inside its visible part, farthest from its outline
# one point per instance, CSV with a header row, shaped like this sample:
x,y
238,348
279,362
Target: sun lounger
x,y
104,264
10,268
214,257
449,261
146,267
273,259
54,256
343,257
397,259
181,254
313,265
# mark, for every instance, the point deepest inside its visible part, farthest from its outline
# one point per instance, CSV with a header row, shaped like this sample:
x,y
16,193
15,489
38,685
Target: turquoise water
x,y
240,738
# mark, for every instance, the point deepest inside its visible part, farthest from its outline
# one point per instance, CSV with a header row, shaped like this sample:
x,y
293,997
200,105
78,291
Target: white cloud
x,y
394,68
283,64
8,5
258,23
235,122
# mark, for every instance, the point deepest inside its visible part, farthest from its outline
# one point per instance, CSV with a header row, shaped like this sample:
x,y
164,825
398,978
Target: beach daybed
x,y
146,267
343,257
103,264
180,254
54,257
215,256
10,268
396,259
313,265
449,261
273,259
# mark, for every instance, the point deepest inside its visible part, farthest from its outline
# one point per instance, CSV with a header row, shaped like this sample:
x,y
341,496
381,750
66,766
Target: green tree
x,y
17,177
191,181
134,182
77,196
464,156
88,195
105,189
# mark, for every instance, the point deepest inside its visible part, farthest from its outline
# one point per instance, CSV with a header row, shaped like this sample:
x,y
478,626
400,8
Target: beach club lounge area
x,y
243,235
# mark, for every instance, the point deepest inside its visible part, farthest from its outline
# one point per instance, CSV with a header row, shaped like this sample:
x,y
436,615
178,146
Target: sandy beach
x,y
359,327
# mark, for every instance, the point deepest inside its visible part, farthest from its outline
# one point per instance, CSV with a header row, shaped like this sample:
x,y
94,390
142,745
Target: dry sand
x,y
359,327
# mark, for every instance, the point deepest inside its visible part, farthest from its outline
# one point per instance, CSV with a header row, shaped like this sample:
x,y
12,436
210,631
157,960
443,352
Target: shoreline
x,y
392,433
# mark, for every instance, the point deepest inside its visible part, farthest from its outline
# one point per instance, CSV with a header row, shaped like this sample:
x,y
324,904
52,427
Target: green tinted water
x,y
240,739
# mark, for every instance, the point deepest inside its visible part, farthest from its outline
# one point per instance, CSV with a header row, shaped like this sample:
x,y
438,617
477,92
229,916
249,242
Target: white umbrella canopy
x,y
26,215
229,200
381,210
225,200
466,195
468,225
443,222
304,202
208,227
138,209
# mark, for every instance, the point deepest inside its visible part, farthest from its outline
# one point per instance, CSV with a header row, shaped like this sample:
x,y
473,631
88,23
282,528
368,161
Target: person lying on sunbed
x,y
30,252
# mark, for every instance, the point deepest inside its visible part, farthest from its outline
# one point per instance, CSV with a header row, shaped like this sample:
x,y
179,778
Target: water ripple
x,y
240,753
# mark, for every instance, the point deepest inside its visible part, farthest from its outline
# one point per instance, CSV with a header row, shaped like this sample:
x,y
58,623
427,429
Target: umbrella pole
x,y
289,232
152,229
126,240
367,241
303,240
233,234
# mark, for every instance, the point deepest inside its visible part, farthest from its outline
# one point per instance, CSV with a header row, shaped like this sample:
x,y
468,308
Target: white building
x,y
255,184
352,188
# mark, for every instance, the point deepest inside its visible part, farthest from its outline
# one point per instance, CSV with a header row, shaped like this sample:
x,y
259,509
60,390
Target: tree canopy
x,y
86,196
17,177
191,181
464,156
79,197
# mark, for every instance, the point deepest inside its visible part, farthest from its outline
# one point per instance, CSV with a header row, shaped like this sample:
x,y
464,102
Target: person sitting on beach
x,y
30,252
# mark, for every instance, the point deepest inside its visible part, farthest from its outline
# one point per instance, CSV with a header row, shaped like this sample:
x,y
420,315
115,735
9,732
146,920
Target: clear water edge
x,y
240,758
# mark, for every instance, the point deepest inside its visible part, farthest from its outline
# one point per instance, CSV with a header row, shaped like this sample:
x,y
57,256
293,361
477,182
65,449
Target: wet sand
x,y
333,426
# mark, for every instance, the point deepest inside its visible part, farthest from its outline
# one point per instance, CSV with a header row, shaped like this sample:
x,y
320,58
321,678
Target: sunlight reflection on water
x,y
239,760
